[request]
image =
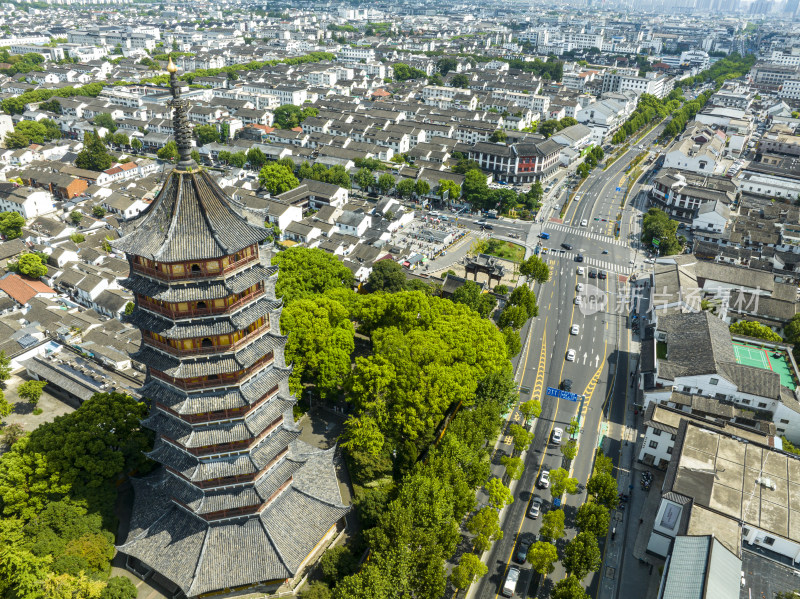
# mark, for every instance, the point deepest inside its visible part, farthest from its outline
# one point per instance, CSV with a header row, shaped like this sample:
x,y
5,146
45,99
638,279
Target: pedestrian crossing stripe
x,y
584,232
593,262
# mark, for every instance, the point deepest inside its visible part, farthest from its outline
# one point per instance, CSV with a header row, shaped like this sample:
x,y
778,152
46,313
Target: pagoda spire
x,y
180,120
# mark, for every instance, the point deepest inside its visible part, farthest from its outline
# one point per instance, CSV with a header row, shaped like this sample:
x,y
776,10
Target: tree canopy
x,y
751,328
305,272
658,228
277,178
11,224
290,116
93,156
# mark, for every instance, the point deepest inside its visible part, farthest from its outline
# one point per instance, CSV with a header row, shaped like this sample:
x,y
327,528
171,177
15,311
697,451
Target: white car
x,y
580,270
544,479
571,355
577,300
579,287
575,330
557,434
584,223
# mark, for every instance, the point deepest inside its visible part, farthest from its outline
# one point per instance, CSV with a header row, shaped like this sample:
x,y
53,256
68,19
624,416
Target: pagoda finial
x,y
180,121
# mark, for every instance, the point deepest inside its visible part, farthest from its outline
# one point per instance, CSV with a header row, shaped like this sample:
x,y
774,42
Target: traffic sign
x,y
554,392
656,242
619,189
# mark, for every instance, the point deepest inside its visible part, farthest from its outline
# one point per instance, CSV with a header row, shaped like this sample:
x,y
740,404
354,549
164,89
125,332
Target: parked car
x,y
557,435
522,551
544,479
592,273
535,510
601,274
571,355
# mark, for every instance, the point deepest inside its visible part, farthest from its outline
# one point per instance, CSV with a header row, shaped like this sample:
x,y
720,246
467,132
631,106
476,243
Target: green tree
x,y
206,134
593,518
569,449
169,151
277,179
451,187
405,188
499,494
336,563
119,587
29,265
136,144
305,272
542,556
11,224
385,183
422,187
5,368
320,345
561,482
290,116
658,226
195,155
513,317
514,467
485,525
498,136
522,437
31,391
568,588
256,158
469,569
552,525
11,432
475,188
388,276
460,80
470,295
98,211
403,72
446,64
603,487
238,159
582,555
531,409
364,178
5,407
106,121
93,156
75,217
513,341
316,590
523,297
547,128
752,328
129,308
535,268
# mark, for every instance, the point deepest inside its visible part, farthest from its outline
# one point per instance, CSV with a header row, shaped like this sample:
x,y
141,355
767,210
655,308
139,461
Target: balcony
x,y
213,383
195,312
200,273
202,351
220,414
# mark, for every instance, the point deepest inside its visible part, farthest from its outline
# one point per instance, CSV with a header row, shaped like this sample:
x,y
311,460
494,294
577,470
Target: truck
x,y
491,214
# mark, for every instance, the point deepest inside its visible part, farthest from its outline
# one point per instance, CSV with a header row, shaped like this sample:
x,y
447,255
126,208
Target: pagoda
x,y
239,502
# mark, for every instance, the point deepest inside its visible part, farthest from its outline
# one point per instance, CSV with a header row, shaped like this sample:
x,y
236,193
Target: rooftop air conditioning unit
x,y
766,482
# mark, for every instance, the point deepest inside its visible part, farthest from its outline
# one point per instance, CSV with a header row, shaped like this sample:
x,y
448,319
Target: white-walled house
x,y
27,201
699,359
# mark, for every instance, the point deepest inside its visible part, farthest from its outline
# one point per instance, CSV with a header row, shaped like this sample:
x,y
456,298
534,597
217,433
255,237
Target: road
x,y
601,348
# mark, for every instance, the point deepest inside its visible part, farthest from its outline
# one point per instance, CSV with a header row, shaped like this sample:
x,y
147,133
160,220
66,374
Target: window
x,y
769,541
784,421
713,381
656,433
669,450
654,444
746,401
762,404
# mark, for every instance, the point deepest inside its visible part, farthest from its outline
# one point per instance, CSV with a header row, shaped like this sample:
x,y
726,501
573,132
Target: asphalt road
x,y
601,348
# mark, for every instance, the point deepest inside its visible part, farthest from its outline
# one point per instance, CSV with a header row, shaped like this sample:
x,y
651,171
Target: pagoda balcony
x,y
194,271
245,510
152,306
220,414
242,446
237,379
230,481
210,349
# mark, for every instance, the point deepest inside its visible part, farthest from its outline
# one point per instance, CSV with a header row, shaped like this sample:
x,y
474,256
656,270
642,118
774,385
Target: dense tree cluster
x,y
290,116
552,70
57,491
658,228
16,105
26,133
403,72
93,156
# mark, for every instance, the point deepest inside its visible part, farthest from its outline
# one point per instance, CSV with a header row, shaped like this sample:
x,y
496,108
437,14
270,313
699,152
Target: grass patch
x,y
505,250
661,350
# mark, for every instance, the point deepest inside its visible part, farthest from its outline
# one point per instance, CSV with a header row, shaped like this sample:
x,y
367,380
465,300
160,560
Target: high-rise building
x,y
239,502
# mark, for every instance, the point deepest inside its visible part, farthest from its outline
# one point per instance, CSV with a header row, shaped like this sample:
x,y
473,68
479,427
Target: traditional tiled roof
x,y
204,290
190,219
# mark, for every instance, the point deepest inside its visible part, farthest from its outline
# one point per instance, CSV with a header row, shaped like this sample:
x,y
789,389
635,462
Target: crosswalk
x,y
590,262
582,231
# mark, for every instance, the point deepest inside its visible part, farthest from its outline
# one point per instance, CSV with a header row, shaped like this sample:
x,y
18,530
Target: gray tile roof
x,y
191,219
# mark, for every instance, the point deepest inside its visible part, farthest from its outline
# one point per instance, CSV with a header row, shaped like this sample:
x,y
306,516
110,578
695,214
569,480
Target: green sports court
x,y
766,358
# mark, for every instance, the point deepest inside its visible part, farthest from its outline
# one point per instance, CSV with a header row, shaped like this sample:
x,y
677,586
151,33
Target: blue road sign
x,y
554,392
619,189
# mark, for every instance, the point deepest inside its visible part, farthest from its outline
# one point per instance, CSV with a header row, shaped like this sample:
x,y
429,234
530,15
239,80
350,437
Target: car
x,y
575,330
544,479
579,287
488,226
510,583
481,223
584,223
592,274
566,385
579,258
557,435
601,274
578,300
522,551
649,261
571,355
536,507
566,246
581,270
604,252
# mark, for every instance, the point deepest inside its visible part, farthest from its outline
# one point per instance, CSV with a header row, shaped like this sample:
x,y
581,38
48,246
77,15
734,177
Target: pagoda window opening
x,y
206,342
212,377
201,305
196,268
